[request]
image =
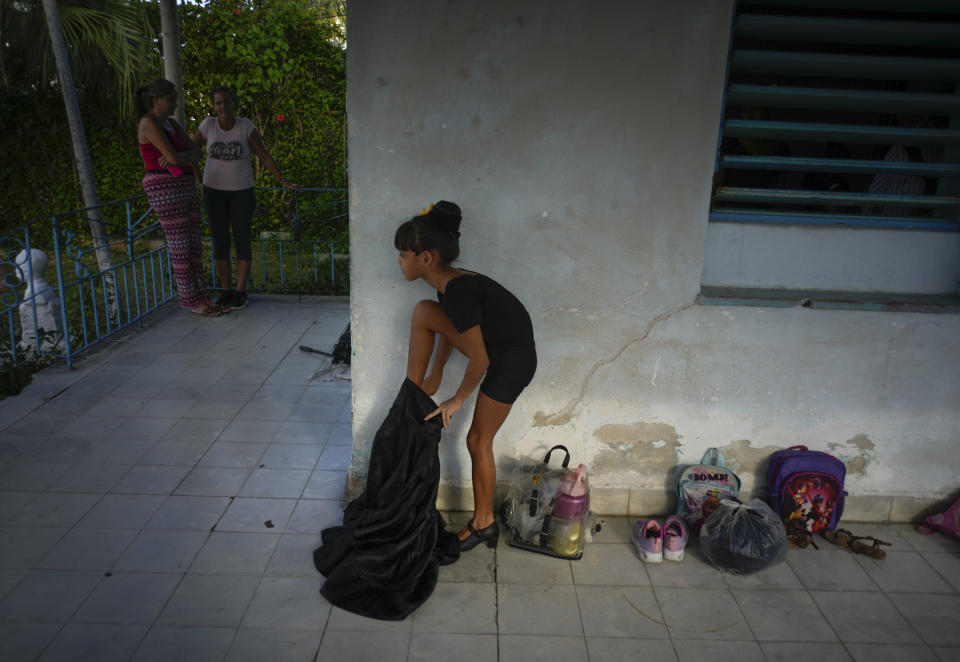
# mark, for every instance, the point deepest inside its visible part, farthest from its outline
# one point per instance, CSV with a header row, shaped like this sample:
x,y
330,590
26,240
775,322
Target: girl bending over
x,y
485,322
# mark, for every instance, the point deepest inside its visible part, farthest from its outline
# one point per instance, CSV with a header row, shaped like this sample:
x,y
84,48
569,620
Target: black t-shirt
x,y
474,299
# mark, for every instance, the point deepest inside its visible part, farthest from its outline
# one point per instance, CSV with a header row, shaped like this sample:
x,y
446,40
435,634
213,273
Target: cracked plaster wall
x,y
580,143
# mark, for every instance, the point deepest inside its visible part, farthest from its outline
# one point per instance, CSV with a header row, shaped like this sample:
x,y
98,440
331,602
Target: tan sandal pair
x,y
210,309
844,538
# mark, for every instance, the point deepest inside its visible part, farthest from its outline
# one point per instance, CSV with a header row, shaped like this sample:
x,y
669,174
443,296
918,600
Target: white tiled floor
x,y
162,502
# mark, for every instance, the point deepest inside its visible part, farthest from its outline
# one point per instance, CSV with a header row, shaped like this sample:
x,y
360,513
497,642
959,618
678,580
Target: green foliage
x,y
111,49
283,60
283,57
107,48
40,178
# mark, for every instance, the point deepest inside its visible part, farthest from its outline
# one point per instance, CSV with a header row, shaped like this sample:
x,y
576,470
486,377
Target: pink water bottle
x,y
566,523
571,504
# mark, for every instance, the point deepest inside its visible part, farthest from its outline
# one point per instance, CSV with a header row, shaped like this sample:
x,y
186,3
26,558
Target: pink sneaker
x,y
648,539
674,538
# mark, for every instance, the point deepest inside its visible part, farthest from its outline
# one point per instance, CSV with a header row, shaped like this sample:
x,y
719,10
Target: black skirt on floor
x,y
384,560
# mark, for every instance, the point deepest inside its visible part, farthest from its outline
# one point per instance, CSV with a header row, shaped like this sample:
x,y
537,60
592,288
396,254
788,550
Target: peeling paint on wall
x,y
860,453
541,419
857,465
860,441
646,448
742,457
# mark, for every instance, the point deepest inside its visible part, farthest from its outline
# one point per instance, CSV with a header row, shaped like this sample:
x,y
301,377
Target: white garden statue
x,y
39,294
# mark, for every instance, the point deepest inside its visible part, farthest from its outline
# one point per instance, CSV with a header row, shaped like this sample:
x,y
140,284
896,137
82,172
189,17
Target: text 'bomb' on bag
x,y
702,487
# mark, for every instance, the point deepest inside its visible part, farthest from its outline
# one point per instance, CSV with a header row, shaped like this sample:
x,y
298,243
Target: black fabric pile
x,y
384,561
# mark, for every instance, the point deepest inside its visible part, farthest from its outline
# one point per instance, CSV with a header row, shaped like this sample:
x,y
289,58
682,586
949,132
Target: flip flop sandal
x,y
207,311
844,538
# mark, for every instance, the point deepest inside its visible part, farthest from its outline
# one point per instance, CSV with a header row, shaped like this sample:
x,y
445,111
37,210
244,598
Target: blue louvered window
x,y
842,112
838,161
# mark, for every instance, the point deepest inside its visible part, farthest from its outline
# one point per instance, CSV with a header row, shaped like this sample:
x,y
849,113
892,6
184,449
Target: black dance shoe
x,y
489,535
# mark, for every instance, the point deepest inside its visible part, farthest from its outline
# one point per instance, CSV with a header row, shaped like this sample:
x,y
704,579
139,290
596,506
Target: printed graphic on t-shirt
x,y
225,151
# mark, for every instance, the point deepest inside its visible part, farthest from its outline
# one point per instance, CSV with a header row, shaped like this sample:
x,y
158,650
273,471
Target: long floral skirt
x,y
175,201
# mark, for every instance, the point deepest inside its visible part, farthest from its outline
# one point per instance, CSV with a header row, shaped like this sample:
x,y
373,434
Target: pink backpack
x,y
946,522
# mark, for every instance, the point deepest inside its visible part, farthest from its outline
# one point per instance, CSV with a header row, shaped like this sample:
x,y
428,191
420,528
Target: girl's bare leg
x,y
488,416
427,321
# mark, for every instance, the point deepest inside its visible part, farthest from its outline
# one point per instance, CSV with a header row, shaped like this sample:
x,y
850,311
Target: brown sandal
x,y
844,538
207,310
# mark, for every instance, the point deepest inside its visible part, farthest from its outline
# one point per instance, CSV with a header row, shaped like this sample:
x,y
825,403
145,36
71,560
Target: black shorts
x,y
509,372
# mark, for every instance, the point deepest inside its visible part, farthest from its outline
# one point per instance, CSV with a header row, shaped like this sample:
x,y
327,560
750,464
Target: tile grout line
x,y
907,620
576,594
653,590
496,596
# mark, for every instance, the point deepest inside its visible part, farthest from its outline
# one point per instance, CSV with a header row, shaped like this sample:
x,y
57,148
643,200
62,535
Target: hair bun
x,y
447,215
449,209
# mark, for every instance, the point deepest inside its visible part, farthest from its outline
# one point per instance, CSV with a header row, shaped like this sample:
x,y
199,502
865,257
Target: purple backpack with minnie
x,y
806,489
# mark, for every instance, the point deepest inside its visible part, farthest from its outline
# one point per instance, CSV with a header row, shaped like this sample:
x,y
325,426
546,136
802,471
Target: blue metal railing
x,y
89,304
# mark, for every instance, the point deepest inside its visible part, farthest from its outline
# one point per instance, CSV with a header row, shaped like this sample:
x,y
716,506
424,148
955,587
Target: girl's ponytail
x,y
143,99
141,102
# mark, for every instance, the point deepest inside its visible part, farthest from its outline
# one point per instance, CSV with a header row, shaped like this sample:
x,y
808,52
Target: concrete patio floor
x,y
161,502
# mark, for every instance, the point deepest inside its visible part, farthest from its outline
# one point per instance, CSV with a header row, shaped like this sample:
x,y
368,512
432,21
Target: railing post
x,y
296,216
333,269
133,265
263,261
58,257
130,248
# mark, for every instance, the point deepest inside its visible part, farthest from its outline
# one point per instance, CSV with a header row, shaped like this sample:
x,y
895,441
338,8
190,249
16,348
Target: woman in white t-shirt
x,y
228,189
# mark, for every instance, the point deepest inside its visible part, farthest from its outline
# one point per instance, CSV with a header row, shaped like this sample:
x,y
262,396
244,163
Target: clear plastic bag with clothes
x,y
547,508
743,538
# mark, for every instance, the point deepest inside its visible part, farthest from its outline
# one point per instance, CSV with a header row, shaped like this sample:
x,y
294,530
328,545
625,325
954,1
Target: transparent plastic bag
x,y
548,509
743,538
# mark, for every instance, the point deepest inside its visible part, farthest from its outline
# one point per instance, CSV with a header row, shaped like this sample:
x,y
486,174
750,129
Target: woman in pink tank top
x,y
168,158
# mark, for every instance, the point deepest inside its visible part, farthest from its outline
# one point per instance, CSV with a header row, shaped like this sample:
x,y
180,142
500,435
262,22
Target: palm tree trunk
x,y
80,150
170,34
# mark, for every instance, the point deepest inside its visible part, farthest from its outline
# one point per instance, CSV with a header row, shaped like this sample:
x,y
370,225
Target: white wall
x,y
579,140
832,258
